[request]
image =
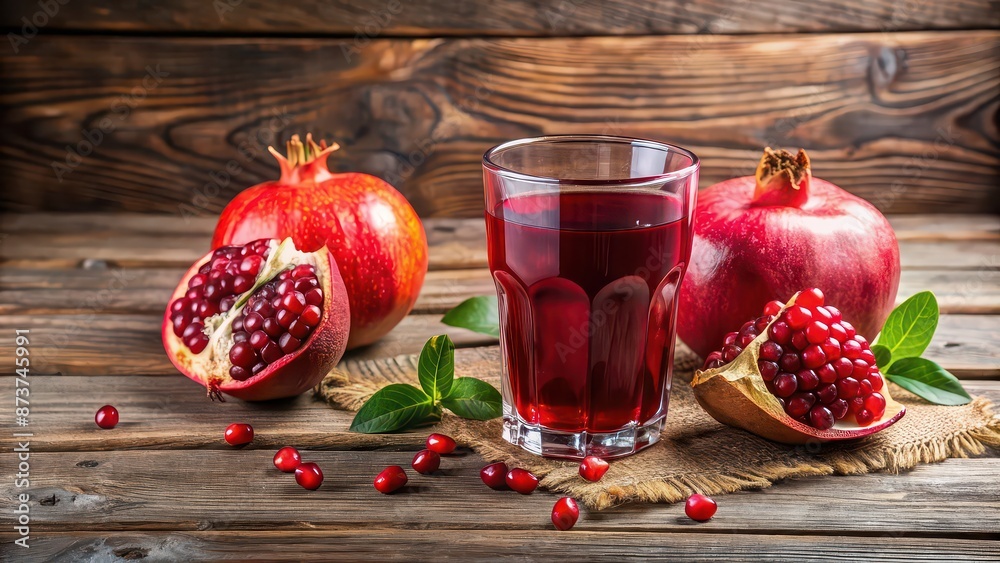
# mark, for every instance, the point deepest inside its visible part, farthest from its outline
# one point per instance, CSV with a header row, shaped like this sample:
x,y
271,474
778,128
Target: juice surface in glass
x,y
587,274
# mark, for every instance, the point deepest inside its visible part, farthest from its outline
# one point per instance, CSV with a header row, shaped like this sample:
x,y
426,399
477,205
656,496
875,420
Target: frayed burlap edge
x,y
351,385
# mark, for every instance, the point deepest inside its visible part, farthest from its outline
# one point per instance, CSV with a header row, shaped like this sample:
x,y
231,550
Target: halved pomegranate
x,y
258,321
798,373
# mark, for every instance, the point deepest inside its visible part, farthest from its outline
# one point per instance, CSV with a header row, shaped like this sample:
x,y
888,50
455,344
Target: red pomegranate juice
x,y
587,284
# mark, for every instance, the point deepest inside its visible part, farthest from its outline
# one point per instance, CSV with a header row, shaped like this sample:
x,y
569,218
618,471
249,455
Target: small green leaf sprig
x,y
400,406
904,337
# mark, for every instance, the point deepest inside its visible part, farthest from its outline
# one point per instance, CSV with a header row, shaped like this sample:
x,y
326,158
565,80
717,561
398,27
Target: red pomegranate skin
x,y
371,229
744,256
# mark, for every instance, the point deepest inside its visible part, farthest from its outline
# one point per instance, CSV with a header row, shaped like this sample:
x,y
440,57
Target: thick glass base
x,y
577,445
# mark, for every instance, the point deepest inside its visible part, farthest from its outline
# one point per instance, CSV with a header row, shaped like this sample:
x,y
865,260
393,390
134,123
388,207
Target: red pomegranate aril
x,y
196,344
770,351
856,404
864,417
592,468
303,271
495,476
807,380
837,332
827,393
860,370
773,307
106,417
875,403
821,417
700,507
851,349
242,354
390,480
799,404
239,434
294,302
851,333
780,332
843,367
868,356
730,339
865,389
797,317
767,369
309,476
272,328
810,298
522,481
826,373
286,286
288,343
565,513
799,340
440,443
257,368
314,296
790,361
817,332
258,339
785,384
848,388
426,462
287,459
831,348
305,284
299,329
813,357
253,322
730,352
271,353
241,336
875,379
239,374
838,408
285,318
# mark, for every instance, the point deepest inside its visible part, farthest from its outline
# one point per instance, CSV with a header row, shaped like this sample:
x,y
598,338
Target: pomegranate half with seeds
x,y
258,321
799,372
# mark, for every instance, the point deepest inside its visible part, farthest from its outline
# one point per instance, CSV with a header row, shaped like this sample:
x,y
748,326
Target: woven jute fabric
x,y
696,453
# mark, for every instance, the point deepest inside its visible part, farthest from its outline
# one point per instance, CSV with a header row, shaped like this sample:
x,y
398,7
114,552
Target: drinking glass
x,y
588,239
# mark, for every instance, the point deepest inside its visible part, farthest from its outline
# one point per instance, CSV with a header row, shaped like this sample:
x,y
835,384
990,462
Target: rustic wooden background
x,y
896,100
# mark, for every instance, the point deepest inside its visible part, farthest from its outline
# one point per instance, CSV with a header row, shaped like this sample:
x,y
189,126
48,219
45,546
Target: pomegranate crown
x,y
782,179
308,156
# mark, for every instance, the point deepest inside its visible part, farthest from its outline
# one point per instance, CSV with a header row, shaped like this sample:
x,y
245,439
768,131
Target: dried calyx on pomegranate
x,y
797,372
258,321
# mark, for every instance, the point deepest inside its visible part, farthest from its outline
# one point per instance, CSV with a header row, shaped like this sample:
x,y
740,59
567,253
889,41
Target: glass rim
x,y
688,170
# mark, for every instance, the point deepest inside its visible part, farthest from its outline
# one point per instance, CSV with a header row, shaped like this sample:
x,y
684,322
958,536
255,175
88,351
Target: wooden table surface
x,y
164,486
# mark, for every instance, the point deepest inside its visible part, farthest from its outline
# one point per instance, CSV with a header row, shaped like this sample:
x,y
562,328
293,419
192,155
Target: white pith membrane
x,y
213,361
743,374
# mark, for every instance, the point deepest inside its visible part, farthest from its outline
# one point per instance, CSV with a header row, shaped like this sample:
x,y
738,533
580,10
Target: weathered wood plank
x,y
375,543
240,489
102,344
904,119
174,413
421,18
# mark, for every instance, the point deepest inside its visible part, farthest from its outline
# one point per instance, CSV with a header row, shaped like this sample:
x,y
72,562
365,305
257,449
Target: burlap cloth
x,y
696,453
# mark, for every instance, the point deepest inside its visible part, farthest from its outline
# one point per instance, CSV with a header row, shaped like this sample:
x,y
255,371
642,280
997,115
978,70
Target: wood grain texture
x,y
173,413
907,120
374,543
240,489
509,17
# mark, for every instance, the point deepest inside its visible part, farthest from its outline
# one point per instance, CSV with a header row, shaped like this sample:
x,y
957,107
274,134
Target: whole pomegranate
x,y
370,228
258,321
761,238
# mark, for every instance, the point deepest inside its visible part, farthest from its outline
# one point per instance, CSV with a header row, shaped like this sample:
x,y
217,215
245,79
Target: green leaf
x,y
928,380
473,398
883,357
436,366
392,408
910,327
478,314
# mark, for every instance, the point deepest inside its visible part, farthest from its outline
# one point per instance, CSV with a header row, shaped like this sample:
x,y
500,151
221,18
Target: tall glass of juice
x,y
588,239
